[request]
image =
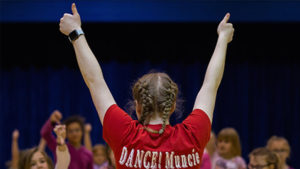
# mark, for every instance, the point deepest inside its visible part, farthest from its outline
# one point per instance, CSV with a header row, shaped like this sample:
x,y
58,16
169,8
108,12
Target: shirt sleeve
x,y
116,125
200,126
46,133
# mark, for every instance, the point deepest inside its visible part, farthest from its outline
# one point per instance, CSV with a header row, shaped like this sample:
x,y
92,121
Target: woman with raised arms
x,y
150,142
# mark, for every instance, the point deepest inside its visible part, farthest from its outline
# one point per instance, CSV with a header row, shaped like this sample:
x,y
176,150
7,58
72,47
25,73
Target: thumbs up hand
x,y
226,29
70,22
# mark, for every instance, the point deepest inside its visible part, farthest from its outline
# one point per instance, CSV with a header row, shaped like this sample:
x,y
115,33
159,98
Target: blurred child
x,y
208,152
81,158
211,146
35,158
111,159
100,155
228,154
281,147
17,154
205,162
262,158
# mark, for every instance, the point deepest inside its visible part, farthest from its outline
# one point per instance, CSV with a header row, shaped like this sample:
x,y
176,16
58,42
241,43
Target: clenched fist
x,y
60,131
70,22
55,117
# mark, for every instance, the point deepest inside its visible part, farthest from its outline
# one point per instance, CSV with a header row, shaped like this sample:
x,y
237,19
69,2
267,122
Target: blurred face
x,y
224,147
74,133
259,162
99,157
38,161
281,149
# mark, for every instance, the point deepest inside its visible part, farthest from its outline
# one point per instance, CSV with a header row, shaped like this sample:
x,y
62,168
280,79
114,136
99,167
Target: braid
x,y
155,93
170,99
146,102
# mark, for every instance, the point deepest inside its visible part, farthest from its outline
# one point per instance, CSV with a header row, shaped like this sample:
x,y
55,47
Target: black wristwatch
x,y
75,34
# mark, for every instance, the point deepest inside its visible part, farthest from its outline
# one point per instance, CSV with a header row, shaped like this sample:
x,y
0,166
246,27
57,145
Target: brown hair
x,y
156,93
232,136
75,119
28,156
99,147
271,158
276,138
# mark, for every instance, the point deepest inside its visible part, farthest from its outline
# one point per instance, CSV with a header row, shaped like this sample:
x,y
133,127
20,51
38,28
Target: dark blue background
x,y
152,10
259,95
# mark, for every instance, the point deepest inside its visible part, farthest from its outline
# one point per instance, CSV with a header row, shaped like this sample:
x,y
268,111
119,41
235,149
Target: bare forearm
x,y
88,64
93,77
215,69
15,153
206,97
63,157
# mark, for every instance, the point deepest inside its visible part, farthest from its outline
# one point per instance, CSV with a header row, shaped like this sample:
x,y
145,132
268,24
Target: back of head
x,y
270,157
232,136
25,161
156,93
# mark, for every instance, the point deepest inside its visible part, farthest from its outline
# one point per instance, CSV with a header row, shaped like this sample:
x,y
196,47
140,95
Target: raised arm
x,y
87,137
62,152
42,145
88,64
207,95
15,149
46,131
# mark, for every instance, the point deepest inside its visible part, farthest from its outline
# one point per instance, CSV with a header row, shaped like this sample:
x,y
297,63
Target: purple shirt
x,y
81,158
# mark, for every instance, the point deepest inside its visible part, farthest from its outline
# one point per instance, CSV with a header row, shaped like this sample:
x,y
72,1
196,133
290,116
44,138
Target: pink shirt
x,y
206,163
234,163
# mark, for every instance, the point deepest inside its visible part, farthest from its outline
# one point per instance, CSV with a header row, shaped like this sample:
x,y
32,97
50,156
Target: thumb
x,y
226,18
74,9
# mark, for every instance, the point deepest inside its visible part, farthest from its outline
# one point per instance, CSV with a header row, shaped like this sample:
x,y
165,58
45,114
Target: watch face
x,y
75,34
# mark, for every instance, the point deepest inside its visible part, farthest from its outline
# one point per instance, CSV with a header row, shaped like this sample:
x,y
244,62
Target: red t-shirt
x,y
180,146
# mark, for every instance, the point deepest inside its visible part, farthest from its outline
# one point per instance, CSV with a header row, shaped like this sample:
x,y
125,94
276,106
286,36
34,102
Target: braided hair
x,y
156,93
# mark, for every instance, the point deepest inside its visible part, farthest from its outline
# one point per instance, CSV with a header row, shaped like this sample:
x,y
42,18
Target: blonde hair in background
x,y
232,136
271,158
276,138
28,155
